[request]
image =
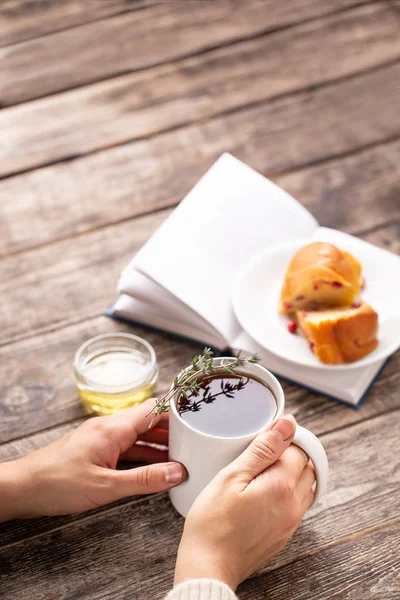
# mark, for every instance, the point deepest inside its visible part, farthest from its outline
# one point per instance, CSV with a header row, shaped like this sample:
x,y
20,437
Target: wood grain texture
x,y
360,569
356,192
129,549
285,134
27,19
145,103
140,39
68,281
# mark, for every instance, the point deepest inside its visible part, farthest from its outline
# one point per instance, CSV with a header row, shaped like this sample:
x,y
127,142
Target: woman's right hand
x,y
249,511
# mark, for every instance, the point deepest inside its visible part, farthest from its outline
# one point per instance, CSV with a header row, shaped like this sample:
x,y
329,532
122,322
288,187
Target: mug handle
x,y
311,445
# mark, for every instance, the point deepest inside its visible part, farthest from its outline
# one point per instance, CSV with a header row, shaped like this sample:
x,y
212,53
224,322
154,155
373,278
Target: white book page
x,y
130,308
148,292
230,215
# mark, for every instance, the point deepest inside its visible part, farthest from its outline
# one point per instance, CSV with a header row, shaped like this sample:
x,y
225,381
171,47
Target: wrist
x,y
15,491
197,564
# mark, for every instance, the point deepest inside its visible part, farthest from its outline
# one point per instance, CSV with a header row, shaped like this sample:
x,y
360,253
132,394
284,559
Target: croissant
x,y
320,275
340,335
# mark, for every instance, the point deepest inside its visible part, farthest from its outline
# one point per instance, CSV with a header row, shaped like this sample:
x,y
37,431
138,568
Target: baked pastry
x,y
340,335
320,275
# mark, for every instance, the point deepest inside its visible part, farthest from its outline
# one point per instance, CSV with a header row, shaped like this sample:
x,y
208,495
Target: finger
x,y
155,436
305,482
146,454
126,425
292,463
265,449
139,417
148,479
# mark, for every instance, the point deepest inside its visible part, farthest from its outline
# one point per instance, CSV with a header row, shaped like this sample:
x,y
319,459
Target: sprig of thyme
x,y
189,382
227,389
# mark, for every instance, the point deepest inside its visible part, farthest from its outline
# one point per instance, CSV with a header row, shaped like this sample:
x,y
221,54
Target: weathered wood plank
x,y
144,535
145,103
69,281
361,569
27,19
358,191
141,39
123,182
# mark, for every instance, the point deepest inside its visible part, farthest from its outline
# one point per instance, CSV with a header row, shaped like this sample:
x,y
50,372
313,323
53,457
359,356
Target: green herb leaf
x,y
201,366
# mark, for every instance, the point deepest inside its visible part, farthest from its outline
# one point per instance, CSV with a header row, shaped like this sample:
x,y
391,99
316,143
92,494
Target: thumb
x,y
148,479
265,449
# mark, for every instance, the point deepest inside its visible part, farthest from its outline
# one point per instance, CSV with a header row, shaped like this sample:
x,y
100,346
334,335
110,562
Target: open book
x,y
181,280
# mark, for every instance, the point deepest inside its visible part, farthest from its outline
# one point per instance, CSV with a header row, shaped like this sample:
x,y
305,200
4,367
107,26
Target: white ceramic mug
x,y
205,455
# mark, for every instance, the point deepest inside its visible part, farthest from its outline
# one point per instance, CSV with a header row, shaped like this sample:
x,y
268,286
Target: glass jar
x,y
114,371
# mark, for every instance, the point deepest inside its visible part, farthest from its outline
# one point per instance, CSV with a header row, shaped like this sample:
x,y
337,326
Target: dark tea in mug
x,y
229,406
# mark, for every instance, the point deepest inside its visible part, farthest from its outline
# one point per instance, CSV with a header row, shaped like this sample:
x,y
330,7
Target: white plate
x,y
258,314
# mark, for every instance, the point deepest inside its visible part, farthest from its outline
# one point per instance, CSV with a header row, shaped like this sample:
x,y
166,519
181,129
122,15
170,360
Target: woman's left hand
x,y
78,472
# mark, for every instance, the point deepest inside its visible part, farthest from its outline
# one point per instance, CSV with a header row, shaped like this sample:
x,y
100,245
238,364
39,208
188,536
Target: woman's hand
x,y
249,511
78,472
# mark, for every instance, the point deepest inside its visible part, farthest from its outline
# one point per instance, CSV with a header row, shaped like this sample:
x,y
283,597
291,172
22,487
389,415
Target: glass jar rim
x,y
148,377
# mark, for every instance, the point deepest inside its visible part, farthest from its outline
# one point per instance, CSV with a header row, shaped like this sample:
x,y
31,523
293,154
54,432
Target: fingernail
x,y
285,427
175,473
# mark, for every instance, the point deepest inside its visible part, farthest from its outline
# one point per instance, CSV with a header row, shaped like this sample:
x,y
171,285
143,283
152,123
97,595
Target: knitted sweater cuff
x,y
202,589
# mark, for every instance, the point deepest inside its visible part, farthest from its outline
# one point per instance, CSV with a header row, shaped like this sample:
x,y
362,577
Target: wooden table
x,y
111,111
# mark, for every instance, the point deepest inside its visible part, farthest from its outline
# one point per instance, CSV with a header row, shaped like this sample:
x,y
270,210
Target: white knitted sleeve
x,y
202,589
